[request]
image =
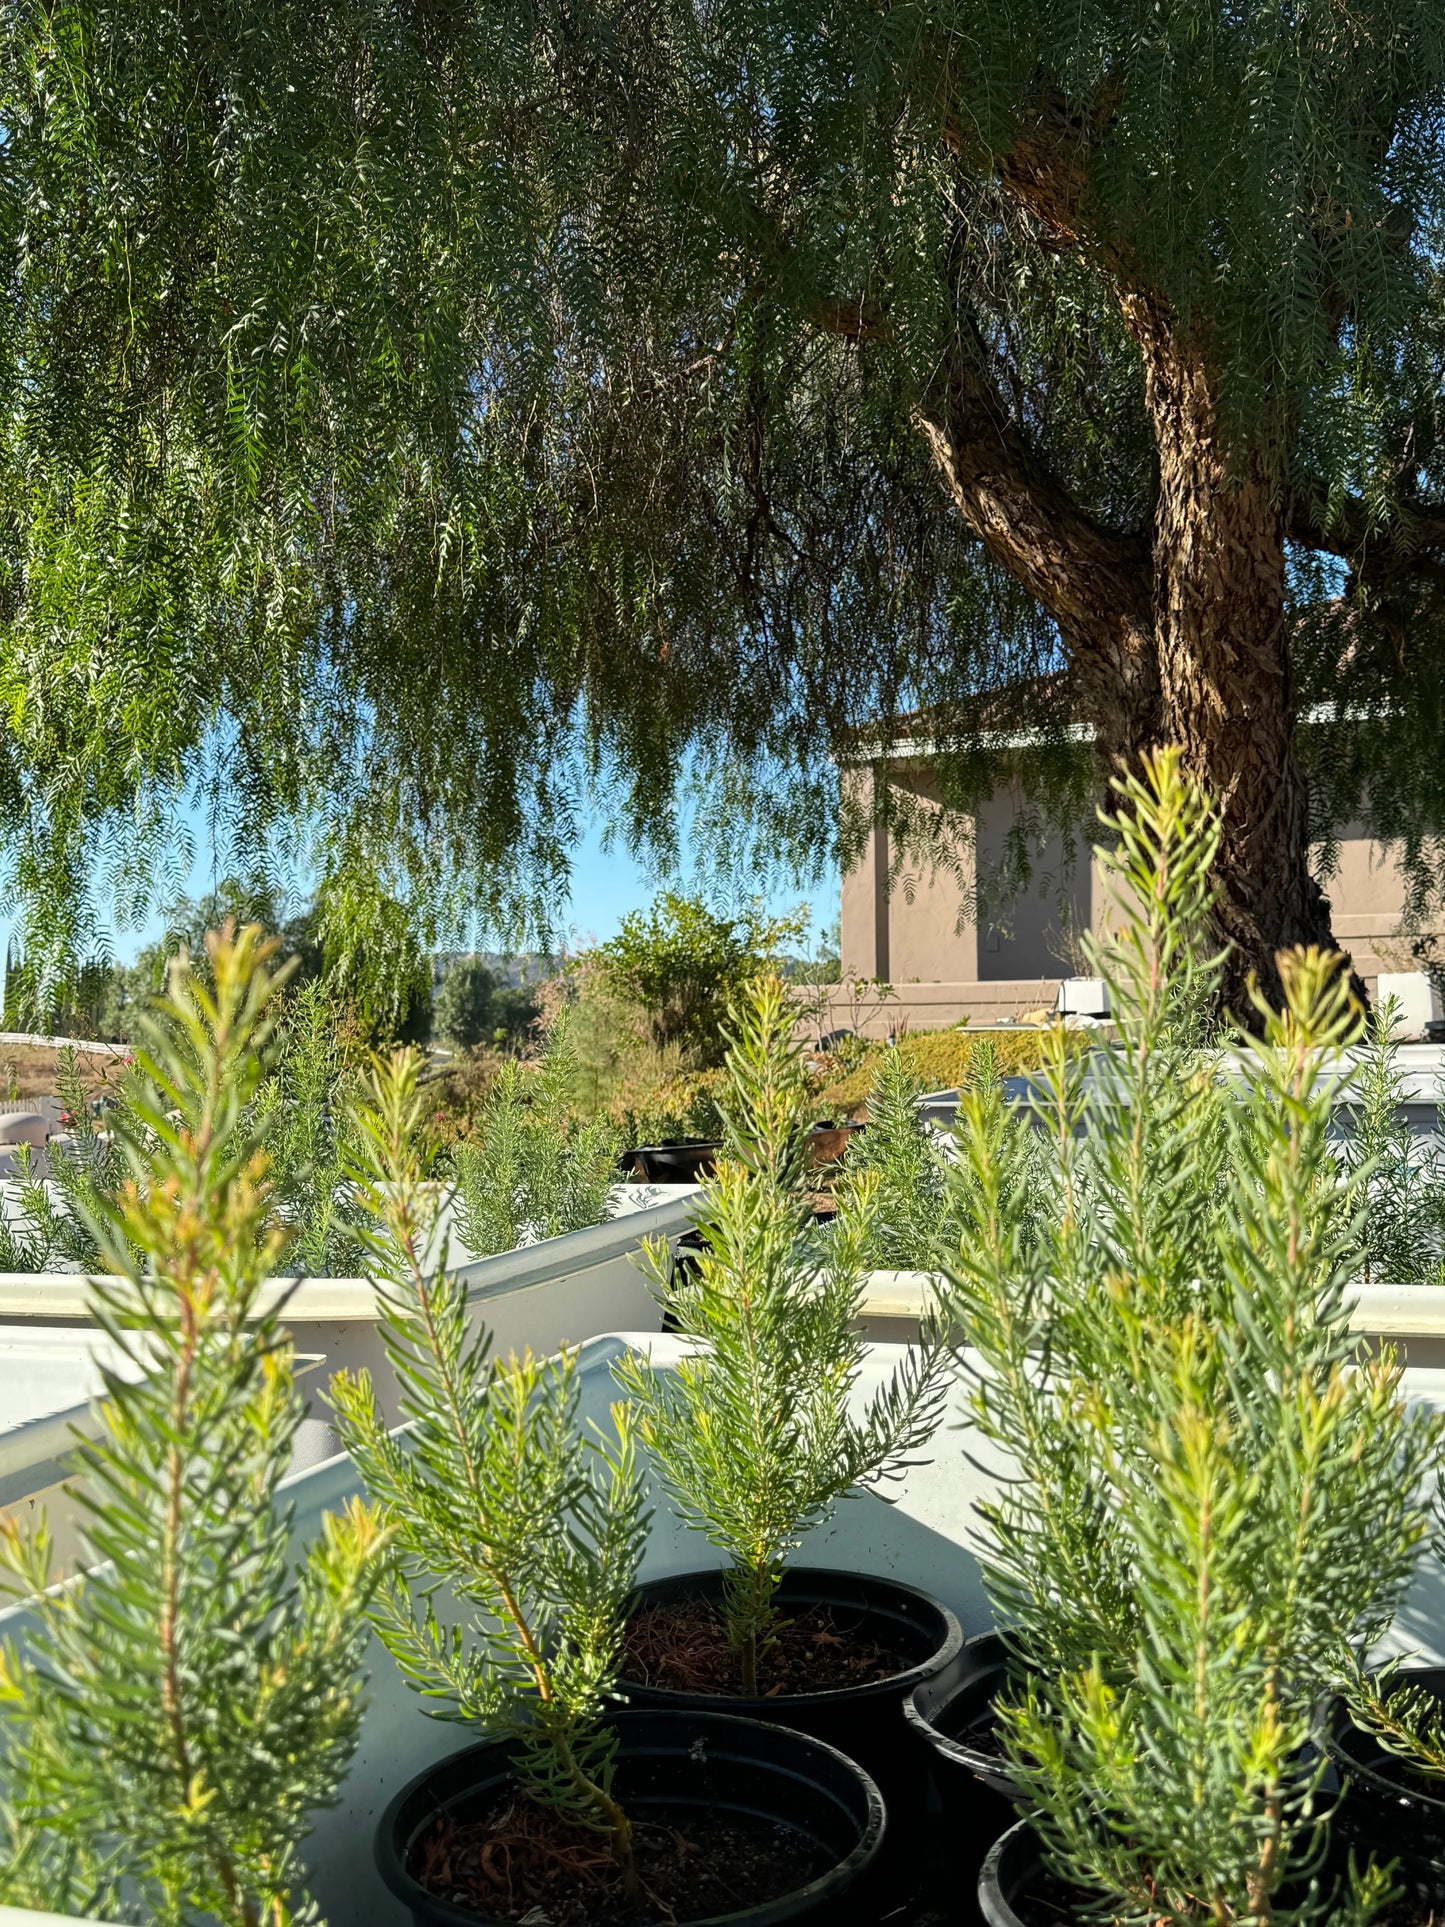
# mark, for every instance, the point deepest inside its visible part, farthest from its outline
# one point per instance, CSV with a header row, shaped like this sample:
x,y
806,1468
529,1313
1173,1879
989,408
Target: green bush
x,y
180,1714
473,1006
681,964
899,1154
530,1167
1403,1231
1215,1496
302,1115
298,1111
497,1493
751,1434
49,1223
684,1105
944,1060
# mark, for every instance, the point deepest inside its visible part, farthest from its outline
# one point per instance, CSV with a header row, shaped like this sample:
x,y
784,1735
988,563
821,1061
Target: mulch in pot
x,y
1411,1911
522,1861
683,1647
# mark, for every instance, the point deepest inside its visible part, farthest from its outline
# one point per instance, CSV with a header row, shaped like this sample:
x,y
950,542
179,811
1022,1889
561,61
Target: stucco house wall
x,y
923,935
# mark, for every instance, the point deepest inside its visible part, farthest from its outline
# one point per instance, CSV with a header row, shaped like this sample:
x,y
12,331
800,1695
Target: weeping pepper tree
x,y
397,396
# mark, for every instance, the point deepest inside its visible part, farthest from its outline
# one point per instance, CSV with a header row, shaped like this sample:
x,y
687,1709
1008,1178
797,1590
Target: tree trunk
x,y
1092,581
1181,638
1225,678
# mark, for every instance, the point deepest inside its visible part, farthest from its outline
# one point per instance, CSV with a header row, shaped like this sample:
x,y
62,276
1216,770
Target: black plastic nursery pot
x,y
689,1160
1013,1863
678,1161
867,1721
1387,1805
1014,1869
952,1713
671,1767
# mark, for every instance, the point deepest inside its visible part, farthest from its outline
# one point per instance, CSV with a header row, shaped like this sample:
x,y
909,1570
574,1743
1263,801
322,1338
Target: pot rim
x,y
949,1647
996,1910
391,1866
985,1766
1336,1717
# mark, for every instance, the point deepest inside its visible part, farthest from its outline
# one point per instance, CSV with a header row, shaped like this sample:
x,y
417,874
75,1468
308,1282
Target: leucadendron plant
x,y
1211,1485
1402,1234
46,1221
534,1526
899,1151
182,1709
532,1168
303,1112
752,1434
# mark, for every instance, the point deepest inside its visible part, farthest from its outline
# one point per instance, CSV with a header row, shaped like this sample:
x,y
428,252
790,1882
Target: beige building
x,y
924,936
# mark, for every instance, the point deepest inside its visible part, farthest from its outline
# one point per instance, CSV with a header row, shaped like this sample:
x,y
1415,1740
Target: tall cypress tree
x,y
392,387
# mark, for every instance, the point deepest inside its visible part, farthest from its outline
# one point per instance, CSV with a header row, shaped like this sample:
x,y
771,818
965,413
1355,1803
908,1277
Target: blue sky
x,y
606,884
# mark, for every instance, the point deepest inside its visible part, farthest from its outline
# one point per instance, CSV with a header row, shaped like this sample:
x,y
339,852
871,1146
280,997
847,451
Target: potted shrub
x,y
566,1810
530,1168
898,1148
1386,1737
181,1712
752,1439
1213,1491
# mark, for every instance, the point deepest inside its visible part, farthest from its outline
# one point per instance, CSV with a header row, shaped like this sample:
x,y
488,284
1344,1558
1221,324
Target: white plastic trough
x,y
48,1377
924,1537
542,1296
50,1384
1422,1085
1410,1317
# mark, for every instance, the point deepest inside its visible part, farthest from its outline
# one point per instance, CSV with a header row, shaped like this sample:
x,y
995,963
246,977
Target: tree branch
x,y
1094,582
1350,533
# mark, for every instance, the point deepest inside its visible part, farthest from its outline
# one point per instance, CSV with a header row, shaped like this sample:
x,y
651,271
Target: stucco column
x,y
864,913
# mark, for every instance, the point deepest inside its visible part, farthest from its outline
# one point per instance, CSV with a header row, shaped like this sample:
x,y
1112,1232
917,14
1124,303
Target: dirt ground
x,y
28,1070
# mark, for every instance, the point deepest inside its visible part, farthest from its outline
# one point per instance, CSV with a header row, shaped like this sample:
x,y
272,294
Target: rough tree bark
x,y
1093,582
1221,634
1178,632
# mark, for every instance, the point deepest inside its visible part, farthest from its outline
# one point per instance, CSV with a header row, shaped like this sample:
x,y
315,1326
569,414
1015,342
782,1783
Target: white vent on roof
x,y
1083,997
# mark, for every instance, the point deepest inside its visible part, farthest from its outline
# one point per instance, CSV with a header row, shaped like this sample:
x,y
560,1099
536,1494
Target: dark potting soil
x,y
978,1731
1046,1901
1411,1910
684,1648
522,1863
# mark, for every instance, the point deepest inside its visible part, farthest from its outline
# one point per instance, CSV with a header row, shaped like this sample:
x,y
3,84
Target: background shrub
x,y
681,964
475,1006
942,1060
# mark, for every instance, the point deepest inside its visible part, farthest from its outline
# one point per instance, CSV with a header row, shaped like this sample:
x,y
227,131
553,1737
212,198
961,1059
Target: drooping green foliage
x,y
752,1435
530,1167
1216,1492
1403,1191
495,1493
180,1711
388,391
